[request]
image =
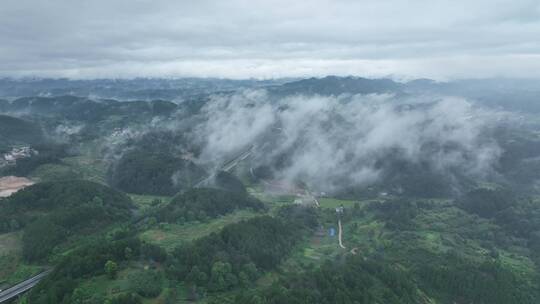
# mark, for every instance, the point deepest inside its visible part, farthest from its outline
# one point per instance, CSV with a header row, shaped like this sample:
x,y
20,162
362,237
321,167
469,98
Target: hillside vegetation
x,y
51,212
205,203
19,131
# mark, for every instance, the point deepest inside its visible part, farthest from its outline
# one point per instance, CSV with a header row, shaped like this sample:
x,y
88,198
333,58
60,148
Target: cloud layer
x,y
332,142
241,39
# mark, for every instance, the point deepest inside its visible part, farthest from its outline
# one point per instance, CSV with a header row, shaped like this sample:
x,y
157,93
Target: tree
x,y
97,201
79,295
128,298
201,204
14,225
251,270
243,279
128,253
356,209
153,252
146,283
221,277
111,268
40,237
196,277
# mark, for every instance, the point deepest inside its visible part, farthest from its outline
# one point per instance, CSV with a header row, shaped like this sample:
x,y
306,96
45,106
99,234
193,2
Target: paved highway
x,y
20,288
226,167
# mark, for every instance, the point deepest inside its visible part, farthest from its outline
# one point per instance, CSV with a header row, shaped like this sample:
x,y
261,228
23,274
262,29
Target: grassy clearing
x,y
10,243
89,165
169,236
77,167
269,197
54,172
23,272
13,270
92,169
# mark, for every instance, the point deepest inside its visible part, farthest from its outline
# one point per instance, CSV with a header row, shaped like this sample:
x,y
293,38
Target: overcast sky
x,y
267,39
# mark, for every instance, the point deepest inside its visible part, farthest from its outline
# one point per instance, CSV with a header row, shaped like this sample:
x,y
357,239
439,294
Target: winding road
x,y
20,288
340,233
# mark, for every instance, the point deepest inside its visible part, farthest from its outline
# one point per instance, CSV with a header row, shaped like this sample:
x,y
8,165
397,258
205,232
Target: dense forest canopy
x,y
157,163
146,172
14,130
204,203
53,198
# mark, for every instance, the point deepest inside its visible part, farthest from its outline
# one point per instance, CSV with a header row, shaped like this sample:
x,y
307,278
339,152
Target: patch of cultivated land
x,y
316,250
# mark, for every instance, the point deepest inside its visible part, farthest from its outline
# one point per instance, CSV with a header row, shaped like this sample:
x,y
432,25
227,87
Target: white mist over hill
x,y
338,141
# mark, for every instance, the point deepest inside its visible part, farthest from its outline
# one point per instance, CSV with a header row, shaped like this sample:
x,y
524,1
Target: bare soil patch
x,y
12,184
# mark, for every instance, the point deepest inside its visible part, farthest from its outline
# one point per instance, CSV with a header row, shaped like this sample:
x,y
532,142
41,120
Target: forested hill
x,y
333,85
16,130
63,197
86,109
52,212
204,203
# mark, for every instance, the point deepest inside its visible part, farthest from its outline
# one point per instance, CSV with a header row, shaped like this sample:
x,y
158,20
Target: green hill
x,y
156,173
200,204
16,130
51,212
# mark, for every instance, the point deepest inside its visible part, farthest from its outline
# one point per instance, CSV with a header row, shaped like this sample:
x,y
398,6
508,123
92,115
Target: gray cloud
x,y
239,39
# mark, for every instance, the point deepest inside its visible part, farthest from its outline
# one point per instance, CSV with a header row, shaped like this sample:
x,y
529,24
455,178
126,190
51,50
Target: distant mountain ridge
x,y
512,94
334,85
